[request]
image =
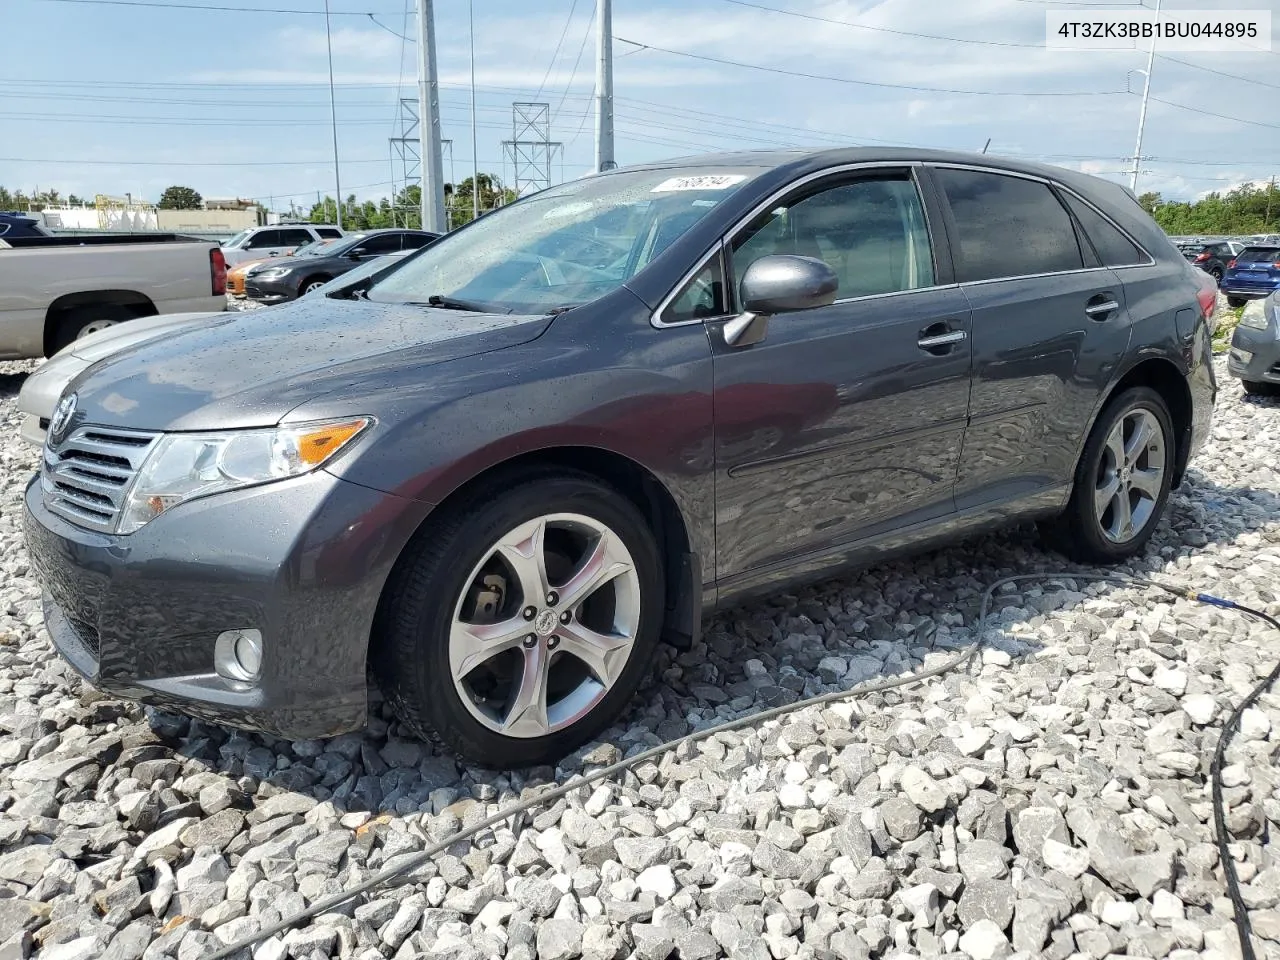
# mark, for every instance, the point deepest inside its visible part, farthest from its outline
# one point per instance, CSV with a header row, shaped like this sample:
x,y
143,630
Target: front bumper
x,y
1263,349
271,291
301,560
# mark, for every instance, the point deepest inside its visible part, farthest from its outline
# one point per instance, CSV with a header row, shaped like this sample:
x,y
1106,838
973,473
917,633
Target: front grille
x,y
84,477
86,633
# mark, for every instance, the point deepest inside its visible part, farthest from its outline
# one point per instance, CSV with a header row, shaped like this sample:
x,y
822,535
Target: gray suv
x,y
503,470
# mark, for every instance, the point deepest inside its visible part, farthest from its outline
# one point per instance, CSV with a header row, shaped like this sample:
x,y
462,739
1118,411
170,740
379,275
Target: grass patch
x,y
1226,326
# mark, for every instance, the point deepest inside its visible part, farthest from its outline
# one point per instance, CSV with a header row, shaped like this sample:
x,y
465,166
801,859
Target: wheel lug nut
x,y
552,598
553,642
530,613
531,641
565,617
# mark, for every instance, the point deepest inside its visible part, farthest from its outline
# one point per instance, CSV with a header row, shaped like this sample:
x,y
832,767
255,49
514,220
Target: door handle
x,y
1101,306
941,342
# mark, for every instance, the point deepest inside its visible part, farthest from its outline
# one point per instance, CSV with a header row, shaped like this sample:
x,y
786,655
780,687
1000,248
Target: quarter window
x,y
702,297
870,231
1008,226
1115,249
295,238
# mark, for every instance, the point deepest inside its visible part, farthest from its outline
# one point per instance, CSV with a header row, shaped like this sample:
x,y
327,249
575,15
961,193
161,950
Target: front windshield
x,y
237,239
344,245
564,246
316,248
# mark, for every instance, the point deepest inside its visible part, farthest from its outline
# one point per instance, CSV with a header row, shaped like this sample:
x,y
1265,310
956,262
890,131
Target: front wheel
x,y
312,283
1121,483
518,626
1257,388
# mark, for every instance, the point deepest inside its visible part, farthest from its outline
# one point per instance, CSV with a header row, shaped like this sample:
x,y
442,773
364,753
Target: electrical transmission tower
x,y
406,159
530,148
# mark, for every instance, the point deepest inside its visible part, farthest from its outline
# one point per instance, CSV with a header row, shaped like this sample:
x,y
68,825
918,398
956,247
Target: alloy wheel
x,y
545,625
1130,475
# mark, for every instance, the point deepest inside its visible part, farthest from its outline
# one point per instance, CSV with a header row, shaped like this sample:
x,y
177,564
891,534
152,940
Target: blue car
x,y
16,225
1254,273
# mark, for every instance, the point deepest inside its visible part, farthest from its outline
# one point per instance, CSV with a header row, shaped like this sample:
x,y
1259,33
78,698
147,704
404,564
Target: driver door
x,y
845,421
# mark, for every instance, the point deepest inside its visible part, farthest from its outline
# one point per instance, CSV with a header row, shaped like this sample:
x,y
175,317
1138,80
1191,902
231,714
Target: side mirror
x,y
358,253
779,284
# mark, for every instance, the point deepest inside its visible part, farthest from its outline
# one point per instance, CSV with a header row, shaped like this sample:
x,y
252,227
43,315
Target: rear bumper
x,y
1245,288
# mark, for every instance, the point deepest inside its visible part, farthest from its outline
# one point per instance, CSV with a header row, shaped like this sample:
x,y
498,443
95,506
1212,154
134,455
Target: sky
x,y
119,96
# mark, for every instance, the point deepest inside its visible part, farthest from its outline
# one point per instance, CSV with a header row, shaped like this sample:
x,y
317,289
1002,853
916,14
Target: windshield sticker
x,y
711,182
569,210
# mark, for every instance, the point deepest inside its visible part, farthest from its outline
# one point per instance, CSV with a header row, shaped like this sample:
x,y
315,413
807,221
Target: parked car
x,y
237,274
14,225
54,290
445,470
1255,347
1254,272
290,278
1212,257
42,389
258,243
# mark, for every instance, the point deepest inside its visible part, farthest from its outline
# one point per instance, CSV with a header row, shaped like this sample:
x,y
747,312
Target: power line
x,y
872,83
586,35
1220,73
1220,116
555,54
863,26
166,4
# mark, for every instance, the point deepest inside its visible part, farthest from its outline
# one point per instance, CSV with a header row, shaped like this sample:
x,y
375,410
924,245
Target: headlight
x,y
184,466
1254,315
271,273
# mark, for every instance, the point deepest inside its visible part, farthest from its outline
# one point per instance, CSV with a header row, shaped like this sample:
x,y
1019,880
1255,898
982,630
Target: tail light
x,y
218,271
1202,258
1208,299
1231,264
1276,265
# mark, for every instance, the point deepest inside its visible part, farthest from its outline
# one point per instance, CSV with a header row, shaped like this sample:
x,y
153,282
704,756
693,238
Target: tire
x,y
1236,303
1256,388
84,321
311,283
1091,529
1216,273
445,686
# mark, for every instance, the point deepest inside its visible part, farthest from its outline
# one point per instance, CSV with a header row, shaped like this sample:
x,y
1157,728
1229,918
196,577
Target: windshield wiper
x,y
452,303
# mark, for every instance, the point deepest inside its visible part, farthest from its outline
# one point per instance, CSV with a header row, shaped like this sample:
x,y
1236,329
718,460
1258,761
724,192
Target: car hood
x,y
290,262
112,339
254,367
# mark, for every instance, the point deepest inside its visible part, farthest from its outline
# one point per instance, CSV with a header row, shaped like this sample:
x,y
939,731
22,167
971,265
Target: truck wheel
x,y
84,321
521,625
1121,483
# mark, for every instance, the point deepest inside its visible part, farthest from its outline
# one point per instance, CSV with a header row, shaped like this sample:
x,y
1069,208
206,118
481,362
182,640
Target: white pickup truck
x,y
54,290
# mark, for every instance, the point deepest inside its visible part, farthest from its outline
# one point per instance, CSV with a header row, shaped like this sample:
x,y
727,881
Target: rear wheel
x,y
1236,302
1121,483
521,624
1256,388
84,321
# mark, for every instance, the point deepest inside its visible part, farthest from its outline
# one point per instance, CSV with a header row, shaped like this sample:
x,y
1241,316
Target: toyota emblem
x,y
62,415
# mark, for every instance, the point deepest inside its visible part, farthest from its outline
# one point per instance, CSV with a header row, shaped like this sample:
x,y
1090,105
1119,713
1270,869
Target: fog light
x,y
237,655
1241,356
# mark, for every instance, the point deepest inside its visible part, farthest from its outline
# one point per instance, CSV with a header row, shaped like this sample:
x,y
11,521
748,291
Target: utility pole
x,y
475,163
604,86
429,151
1142,112
1271,188
333,115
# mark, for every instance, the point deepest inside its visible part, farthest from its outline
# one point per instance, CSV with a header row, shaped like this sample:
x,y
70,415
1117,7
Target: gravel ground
x,y
1051,800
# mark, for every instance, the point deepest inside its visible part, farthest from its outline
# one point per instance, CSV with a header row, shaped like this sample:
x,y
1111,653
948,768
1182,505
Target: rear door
x,y
845,421
291,238
1049,326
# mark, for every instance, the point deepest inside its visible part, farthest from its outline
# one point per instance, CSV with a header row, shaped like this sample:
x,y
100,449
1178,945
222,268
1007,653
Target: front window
x,y
564,246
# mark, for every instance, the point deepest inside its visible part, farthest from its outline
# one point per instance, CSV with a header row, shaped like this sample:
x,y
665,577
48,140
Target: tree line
x,y
407,210
1243,210
36,200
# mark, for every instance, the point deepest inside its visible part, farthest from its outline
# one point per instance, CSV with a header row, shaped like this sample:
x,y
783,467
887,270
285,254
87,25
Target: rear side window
x,y
412,241
296,237
1008,226
1258,255
1115,249
329,232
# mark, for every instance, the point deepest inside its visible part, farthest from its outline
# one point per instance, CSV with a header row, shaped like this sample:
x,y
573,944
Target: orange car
x,y
236,275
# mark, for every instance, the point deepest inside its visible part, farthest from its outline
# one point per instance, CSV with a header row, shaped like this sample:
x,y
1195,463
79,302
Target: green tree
x,y
1149,202
459,203
180,198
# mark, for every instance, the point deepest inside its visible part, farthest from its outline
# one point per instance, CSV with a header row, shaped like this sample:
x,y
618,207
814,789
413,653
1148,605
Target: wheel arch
x,y
681,563
135,303
1166,378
